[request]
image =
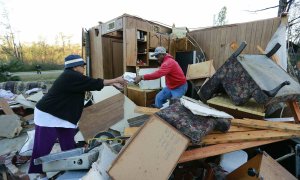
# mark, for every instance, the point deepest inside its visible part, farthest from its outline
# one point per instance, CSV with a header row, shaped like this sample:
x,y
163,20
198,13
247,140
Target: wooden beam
x,y
145,110
295,110
235,129
260,124
218,149
247,136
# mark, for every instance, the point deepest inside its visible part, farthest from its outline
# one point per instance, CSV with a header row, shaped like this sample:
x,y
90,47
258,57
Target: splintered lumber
x,y
247,136
145,110
259,124
218,149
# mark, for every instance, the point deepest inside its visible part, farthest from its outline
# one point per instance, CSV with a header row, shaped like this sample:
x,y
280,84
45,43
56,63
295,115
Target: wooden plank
x,y
249,136
145,110
295,110
235,129
5,107
128,132
259,124
155,159
99,117
213,150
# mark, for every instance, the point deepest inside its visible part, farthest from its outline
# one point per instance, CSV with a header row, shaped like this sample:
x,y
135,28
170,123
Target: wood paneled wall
x,y
215,41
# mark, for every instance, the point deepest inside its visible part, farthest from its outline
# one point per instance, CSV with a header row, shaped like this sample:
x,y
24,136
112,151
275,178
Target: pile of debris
x,y
215,138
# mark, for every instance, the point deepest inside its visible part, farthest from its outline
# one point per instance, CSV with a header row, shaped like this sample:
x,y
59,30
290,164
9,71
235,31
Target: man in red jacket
x,y
175,79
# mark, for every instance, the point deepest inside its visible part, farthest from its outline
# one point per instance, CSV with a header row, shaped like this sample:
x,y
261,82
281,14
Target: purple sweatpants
x,y
45,138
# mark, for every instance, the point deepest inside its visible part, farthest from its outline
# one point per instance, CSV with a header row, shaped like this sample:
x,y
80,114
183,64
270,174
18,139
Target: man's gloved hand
x,y
137,79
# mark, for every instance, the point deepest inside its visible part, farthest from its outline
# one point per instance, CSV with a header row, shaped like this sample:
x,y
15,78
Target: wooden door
x,y
131,47
117,57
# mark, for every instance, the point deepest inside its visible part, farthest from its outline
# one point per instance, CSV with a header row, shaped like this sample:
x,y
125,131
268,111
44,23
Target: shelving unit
x,y
142,48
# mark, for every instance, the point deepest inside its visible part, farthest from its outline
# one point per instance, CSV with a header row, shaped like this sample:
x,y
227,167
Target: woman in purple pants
x,y
57,113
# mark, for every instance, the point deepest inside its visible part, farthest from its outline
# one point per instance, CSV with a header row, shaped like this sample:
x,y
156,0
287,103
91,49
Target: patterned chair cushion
x,y
193,126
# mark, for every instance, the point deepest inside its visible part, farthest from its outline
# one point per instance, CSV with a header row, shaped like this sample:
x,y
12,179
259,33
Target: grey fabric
x,y
268,75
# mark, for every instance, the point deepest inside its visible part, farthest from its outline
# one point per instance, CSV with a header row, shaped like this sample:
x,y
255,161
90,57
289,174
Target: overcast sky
x,y
32,19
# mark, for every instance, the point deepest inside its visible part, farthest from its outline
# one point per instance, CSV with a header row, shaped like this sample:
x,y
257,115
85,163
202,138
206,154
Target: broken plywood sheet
x,y
200,70
10,126
100,116
129,106
251,109
152,153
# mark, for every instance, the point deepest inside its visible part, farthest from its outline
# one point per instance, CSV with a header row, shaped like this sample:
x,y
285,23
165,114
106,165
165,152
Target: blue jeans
x,y
167,93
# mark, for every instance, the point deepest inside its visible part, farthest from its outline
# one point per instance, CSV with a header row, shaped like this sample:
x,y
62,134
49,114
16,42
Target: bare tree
x,y
8,42
221,20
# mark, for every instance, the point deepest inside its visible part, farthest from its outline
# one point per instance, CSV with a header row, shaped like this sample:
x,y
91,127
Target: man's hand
x,y
137,79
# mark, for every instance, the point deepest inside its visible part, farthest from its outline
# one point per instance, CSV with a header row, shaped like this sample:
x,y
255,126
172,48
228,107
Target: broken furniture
x,y
251,76
262,166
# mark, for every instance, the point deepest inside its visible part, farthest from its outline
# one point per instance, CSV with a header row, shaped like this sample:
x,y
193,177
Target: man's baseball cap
x,y
159,50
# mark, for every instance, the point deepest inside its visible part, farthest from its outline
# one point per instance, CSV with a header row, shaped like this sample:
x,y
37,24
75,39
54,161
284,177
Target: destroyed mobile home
x,y
238,120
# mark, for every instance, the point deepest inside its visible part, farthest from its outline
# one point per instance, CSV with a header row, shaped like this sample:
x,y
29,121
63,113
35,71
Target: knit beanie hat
x,y
73,60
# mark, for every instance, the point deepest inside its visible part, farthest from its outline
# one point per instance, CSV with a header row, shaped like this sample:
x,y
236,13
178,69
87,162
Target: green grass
x,y
39,77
